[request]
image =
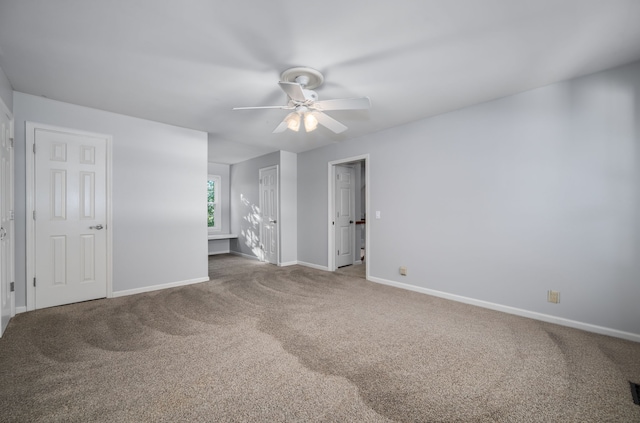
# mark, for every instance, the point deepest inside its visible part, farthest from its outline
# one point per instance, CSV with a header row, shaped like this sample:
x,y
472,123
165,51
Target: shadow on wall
x,y
250,227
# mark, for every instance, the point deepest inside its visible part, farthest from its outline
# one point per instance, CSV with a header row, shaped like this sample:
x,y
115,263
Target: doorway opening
x,y
349,235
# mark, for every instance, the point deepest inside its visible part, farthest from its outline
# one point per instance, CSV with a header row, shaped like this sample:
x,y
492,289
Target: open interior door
x,y
345,210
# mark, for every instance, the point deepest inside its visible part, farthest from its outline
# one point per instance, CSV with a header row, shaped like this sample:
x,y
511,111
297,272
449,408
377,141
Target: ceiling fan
x,y
298,84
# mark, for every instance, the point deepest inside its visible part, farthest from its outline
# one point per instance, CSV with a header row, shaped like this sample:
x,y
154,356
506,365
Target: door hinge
x,y
12,215
34,215
34,281
34,148
12,287
11,142
338,252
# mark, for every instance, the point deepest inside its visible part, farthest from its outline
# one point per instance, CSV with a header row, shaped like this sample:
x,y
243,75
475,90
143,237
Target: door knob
x,y
273,221
98,227
351,221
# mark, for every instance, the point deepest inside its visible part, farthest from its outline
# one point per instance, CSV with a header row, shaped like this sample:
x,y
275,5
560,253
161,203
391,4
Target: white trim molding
x,y
513,310
215,253
313,266
158,287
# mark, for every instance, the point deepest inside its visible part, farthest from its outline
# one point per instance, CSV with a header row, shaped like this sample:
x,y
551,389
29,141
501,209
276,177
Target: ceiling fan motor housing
x,y
302,79
310,95
307,77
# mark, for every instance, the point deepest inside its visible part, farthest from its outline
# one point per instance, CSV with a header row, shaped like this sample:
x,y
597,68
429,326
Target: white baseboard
x,y
157,287
213,253
288,263
21,309
243,255
357,262
313,266
513,310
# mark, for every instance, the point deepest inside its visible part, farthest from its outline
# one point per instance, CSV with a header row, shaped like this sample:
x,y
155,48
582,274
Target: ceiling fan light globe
x,y
310,122
293,121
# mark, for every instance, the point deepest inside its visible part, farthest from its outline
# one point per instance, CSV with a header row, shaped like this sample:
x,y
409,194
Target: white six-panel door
x,y
7,301
345,208
269,212
70,217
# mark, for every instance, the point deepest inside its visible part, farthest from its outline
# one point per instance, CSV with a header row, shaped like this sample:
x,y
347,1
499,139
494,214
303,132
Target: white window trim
x,y
217,180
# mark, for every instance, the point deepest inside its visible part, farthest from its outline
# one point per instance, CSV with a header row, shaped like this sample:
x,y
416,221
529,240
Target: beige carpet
x,y
268,344
355,270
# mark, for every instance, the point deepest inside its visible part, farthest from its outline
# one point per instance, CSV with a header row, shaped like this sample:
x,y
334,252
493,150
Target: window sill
x,y
222,236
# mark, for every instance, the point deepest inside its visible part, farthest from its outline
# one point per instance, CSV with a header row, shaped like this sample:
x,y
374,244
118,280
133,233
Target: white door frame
x,y
31,128
278,223
12,242
331,248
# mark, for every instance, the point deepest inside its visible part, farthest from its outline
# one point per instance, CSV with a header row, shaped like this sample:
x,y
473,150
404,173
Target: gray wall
x,y
217,246
505,200
245,202
6,92
288,223
159,221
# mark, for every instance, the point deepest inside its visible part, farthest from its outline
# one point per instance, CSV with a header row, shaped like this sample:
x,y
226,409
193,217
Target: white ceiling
x,y
188,63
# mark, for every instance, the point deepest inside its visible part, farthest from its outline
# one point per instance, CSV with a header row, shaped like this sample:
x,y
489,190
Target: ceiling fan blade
x,y
343,104
329,122
281,127
293,90
264,107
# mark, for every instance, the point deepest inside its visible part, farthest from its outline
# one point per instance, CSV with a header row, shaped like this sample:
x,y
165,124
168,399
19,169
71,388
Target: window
x,y
214,185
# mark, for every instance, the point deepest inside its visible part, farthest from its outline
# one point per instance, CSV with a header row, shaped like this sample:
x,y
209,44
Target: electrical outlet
x,y
553,296
403,270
